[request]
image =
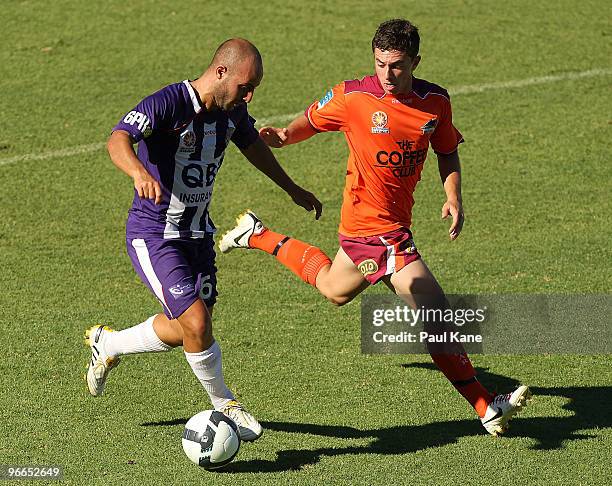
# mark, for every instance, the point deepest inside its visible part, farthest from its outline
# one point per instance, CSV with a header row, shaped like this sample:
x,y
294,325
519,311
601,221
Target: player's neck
x,y
206,98
406,90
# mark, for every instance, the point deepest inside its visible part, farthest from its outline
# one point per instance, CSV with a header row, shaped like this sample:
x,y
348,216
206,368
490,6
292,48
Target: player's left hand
x,y
454,209
307,200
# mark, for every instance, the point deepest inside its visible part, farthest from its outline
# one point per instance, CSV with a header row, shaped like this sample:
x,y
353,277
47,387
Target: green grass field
x,y
537,198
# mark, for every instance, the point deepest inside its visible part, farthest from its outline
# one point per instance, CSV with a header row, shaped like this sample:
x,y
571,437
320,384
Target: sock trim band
x,y
460,383
313,266
279,245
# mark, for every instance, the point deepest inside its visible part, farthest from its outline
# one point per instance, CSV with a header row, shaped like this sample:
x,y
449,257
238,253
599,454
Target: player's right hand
x,y
147,187
274,137
307,200
454,208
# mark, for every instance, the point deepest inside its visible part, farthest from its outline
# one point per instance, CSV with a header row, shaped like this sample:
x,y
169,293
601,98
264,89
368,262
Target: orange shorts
x,y
380,255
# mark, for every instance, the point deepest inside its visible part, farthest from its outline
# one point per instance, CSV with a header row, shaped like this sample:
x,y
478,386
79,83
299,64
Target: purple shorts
x,y
177,271
380,255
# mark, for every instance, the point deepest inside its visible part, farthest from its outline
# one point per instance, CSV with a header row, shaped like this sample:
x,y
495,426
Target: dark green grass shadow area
x,y
590,408
392,440
387,441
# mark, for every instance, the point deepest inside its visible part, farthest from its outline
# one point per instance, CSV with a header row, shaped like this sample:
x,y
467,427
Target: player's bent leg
x,y
203,354
303,259
156,262
341,282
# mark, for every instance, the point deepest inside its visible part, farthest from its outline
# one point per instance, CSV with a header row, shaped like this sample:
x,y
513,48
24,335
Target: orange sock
x,y
305,260
458,369
267,241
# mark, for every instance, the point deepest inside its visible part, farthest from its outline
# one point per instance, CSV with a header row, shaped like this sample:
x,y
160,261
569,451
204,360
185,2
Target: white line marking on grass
x,y
52,154
519,83
459,90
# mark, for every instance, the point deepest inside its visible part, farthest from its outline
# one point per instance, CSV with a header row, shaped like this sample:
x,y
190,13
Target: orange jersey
x,y
388,138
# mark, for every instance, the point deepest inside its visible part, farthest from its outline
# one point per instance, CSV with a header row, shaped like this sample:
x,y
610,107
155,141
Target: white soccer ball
x,y
211,439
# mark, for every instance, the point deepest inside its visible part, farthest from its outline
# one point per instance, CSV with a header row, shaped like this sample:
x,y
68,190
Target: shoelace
x,y
233,408
236,412
233,404
501,398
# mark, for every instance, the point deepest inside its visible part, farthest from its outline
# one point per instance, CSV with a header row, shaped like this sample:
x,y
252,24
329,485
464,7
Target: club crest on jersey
x,y
326,99
188,140
368,267
430,126
379,120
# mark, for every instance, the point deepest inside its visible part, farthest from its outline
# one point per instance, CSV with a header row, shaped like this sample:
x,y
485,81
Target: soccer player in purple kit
x,y
182,132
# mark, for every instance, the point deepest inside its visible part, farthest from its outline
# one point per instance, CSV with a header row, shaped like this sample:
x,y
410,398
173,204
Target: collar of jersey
x,y
195,99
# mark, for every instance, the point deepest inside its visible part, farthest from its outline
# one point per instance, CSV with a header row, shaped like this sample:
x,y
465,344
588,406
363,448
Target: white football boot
x,y
100,364
247,224
503,408
248,426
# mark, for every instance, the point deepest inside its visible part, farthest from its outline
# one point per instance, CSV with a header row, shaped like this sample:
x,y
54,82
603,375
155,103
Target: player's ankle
x,y
255,237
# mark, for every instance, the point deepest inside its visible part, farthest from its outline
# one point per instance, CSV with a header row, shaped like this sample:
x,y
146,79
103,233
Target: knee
x,y
196,326
338,301
332,295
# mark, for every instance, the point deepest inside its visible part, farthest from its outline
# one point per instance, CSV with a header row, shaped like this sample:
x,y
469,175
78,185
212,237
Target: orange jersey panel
x,y
388,138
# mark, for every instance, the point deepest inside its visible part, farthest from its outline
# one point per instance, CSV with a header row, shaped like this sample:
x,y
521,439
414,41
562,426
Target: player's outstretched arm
x,y
122,154
260,155
298,130
450,173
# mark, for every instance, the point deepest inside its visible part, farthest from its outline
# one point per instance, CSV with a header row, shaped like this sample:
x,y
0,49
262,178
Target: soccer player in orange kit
x,y
389,120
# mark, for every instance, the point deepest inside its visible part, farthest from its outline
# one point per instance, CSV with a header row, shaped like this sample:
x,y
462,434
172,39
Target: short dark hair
x,y
397,35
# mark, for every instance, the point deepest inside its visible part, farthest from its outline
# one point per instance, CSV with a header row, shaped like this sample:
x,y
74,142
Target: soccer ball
x,y
211,439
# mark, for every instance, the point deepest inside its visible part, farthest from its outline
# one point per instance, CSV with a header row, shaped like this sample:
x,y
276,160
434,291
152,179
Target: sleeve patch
x,y
326,99
140,121
430,126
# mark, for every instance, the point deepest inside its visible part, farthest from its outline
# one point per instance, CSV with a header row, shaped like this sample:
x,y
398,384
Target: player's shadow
x,y
589,408
165,423
392,440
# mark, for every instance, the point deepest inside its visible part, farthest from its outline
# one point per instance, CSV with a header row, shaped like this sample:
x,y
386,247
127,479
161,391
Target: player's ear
x,y
220,71
415,62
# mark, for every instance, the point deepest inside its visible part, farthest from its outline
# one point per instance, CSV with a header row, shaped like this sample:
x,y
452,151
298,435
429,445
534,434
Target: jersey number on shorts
x,y
206,288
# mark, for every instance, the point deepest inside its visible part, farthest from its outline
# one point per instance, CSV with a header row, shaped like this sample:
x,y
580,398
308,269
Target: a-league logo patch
x,y
379,120
368,267
188,138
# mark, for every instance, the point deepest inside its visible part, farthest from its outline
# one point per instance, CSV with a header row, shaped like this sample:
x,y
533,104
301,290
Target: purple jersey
x,y
182,146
